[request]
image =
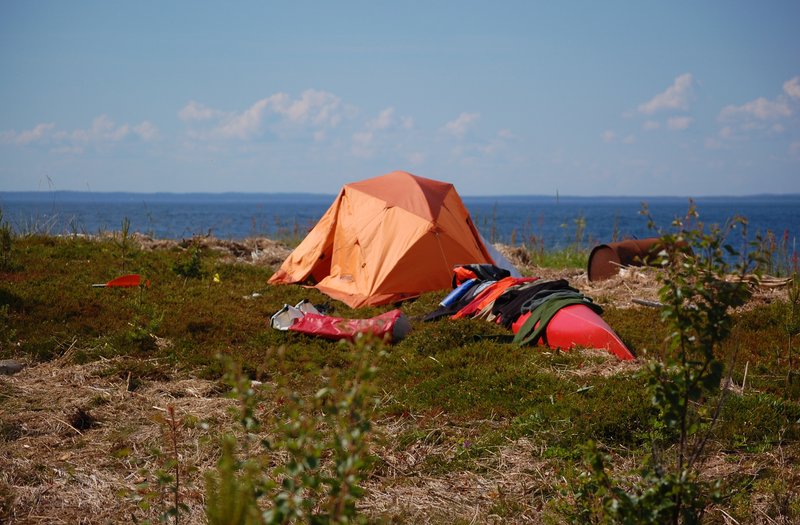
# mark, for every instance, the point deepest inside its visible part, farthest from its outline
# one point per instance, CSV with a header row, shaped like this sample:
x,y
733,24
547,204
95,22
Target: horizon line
x,y
314,194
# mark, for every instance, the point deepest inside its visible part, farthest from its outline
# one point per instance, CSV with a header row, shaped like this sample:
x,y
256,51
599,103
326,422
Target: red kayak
x,y
578,325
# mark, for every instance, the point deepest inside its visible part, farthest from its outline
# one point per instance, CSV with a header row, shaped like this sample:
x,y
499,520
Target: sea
x,y
548,222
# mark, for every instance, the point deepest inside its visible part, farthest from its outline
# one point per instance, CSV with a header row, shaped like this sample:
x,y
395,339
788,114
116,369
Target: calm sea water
x,y
550,221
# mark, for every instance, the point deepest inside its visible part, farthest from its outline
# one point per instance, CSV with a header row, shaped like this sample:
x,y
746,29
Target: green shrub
x,y
191,268
697,300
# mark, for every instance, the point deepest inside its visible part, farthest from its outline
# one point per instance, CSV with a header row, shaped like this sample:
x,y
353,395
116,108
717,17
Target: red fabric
x,y
461,274
488,295
336,328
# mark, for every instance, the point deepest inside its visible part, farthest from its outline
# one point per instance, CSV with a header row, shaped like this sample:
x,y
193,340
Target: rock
x,y
10,367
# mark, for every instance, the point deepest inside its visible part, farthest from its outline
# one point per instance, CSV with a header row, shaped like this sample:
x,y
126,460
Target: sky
x,y
530,97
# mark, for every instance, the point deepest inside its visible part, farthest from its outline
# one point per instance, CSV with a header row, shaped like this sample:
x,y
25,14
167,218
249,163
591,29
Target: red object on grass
x,y
579,325
125,281
392,324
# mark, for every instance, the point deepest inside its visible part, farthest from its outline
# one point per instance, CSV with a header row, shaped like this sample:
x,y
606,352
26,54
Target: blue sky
x,y
583,98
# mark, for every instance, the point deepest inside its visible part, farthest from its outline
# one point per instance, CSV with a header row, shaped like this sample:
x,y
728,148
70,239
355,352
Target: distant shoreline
x,y
199,197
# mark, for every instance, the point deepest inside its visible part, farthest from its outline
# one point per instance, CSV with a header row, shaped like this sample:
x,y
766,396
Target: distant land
x,y
299,197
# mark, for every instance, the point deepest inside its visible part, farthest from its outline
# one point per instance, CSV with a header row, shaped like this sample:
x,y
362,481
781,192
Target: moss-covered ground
x,y
460,411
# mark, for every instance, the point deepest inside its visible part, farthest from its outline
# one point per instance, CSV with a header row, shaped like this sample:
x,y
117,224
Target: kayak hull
x,y
579,326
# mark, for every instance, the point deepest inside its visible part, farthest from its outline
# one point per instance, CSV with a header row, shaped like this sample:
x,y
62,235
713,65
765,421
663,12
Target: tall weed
x,y
697,296
791,325
6,239
124,242
314,452
163,486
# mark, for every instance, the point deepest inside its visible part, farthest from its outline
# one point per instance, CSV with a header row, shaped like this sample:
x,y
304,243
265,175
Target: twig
x,y
173,428
767,516
744,379
70,426
697,453
651,304
728,516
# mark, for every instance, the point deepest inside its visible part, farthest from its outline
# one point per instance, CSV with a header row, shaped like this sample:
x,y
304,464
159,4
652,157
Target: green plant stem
x,y
177,486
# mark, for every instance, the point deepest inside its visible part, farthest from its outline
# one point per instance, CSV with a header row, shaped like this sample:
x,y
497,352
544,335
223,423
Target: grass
x,y
450,389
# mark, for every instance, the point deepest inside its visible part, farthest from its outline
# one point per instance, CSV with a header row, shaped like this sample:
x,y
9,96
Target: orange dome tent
x,y
386,239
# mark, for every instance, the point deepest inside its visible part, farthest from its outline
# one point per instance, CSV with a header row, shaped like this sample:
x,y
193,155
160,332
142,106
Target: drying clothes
x,y
531,332
489,295
546,295
508,307
482,272
464,300
488,313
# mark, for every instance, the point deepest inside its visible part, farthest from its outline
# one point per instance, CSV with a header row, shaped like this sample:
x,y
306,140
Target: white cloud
x,y
196,111
763,109
461,125
794,148
676,97
243,125
762,115
146,131
102,131
650,125
727,132
317,107
492,148
609,136
385,122
384,119
498,144
476,149
760,108
313,109
23,138
792,87
679,123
